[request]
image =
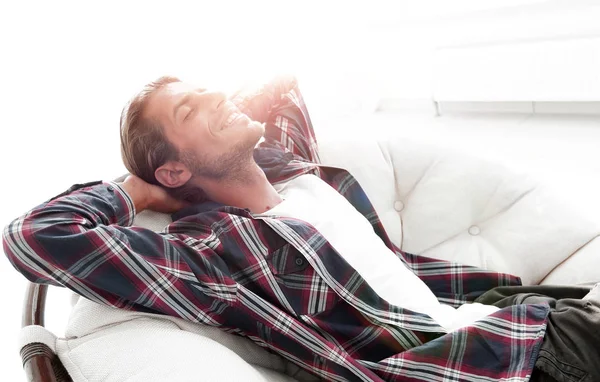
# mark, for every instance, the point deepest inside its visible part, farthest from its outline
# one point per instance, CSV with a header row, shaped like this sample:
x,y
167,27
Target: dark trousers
x,y
571,347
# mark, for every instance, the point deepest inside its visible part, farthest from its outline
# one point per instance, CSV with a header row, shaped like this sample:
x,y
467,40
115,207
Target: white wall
x,y
493,51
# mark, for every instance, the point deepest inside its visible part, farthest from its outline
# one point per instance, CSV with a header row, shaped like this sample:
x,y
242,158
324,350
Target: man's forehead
x,y
175,89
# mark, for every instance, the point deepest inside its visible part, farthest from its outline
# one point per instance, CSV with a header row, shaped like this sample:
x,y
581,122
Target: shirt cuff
x,y
122,202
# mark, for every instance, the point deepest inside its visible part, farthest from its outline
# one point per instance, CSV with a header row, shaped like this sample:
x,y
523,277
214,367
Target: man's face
x,y
213,137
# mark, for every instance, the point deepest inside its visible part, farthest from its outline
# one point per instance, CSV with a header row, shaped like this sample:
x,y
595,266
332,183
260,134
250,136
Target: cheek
x,y
208,147
194,136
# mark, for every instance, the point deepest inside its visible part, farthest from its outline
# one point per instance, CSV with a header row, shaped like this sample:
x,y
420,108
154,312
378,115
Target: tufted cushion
x,y
582,267
445,204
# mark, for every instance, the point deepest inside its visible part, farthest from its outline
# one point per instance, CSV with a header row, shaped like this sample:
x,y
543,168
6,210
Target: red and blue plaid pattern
x,y
275,281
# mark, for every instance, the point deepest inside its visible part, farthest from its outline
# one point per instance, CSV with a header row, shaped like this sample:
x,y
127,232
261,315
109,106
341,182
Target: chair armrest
x,y
40,363
581,267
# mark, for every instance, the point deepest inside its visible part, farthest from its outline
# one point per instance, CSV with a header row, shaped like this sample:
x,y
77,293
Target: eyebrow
x,y
181,102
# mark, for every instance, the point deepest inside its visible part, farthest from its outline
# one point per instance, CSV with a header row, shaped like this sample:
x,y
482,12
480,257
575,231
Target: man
x,y
271,245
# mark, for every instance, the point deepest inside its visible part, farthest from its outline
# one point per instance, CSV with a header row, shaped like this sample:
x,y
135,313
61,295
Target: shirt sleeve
x,y
84,241
280,106
453,283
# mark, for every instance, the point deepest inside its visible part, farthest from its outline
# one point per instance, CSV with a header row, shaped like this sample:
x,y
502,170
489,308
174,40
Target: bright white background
x,y
67,68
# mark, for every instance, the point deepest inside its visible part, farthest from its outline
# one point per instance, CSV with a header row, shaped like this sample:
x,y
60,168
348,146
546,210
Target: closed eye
x,y
188,114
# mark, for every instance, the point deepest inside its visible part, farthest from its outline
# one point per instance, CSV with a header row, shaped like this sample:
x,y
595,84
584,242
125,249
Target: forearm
x,y
83,241
55,234
280,105
259,104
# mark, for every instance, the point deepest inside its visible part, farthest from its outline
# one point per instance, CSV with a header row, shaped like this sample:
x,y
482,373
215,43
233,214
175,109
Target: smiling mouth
x,y
234,116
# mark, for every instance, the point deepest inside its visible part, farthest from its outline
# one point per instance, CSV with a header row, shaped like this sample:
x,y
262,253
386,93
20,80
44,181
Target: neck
x,y
247,189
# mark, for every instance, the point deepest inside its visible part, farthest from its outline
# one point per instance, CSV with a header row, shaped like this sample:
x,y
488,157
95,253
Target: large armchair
x,y
432,200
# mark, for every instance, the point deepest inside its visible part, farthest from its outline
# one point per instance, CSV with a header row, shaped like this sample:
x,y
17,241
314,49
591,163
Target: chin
x,y
258,126
247,138
256,130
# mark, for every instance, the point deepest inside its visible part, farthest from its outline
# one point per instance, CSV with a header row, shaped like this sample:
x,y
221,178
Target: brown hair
x,y
144,145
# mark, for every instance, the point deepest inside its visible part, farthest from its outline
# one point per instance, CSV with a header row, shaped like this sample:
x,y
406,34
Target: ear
x,y
173,174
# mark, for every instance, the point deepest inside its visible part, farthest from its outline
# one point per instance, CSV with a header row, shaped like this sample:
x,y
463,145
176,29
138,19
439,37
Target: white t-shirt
x,y
309,198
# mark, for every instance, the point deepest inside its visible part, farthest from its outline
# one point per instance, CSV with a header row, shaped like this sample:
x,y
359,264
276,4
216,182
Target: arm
x,y
83,241
280,105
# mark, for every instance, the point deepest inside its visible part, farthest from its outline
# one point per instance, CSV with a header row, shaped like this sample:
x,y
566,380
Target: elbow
x,y
15,249
13,242
8,238
32,250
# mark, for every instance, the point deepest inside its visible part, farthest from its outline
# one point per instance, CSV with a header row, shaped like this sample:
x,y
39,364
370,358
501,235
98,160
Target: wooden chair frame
x,y
40,363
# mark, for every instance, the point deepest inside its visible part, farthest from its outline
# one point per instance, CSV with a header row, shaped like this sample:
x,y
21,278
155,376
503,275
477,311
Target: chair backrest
x,y
439,202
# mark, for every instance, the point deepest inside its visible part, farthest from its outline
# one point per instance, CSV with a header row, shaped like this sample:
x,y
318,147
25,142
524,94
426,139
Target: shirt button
x,y
398,205
474,230
111,189
299,261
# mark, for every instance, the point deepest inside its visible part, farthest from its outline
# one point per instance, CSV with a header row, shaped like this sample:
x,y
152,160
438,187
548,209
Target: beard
x,y
231,165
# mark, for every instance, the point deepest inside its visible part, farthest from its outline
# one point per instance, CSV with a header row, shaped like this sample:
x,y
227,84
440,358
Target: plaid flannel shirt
x,y
276,281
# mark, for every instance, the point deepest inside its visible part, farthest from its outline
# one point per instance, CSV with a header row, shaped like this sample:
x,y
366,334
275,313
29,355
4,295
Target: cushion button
x,y
474,230
299,261
398,205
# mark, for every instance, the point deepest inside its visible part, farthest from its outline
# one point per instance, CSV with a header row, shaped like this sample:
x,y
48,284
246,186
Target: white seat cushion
x,y
147,349
106,344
